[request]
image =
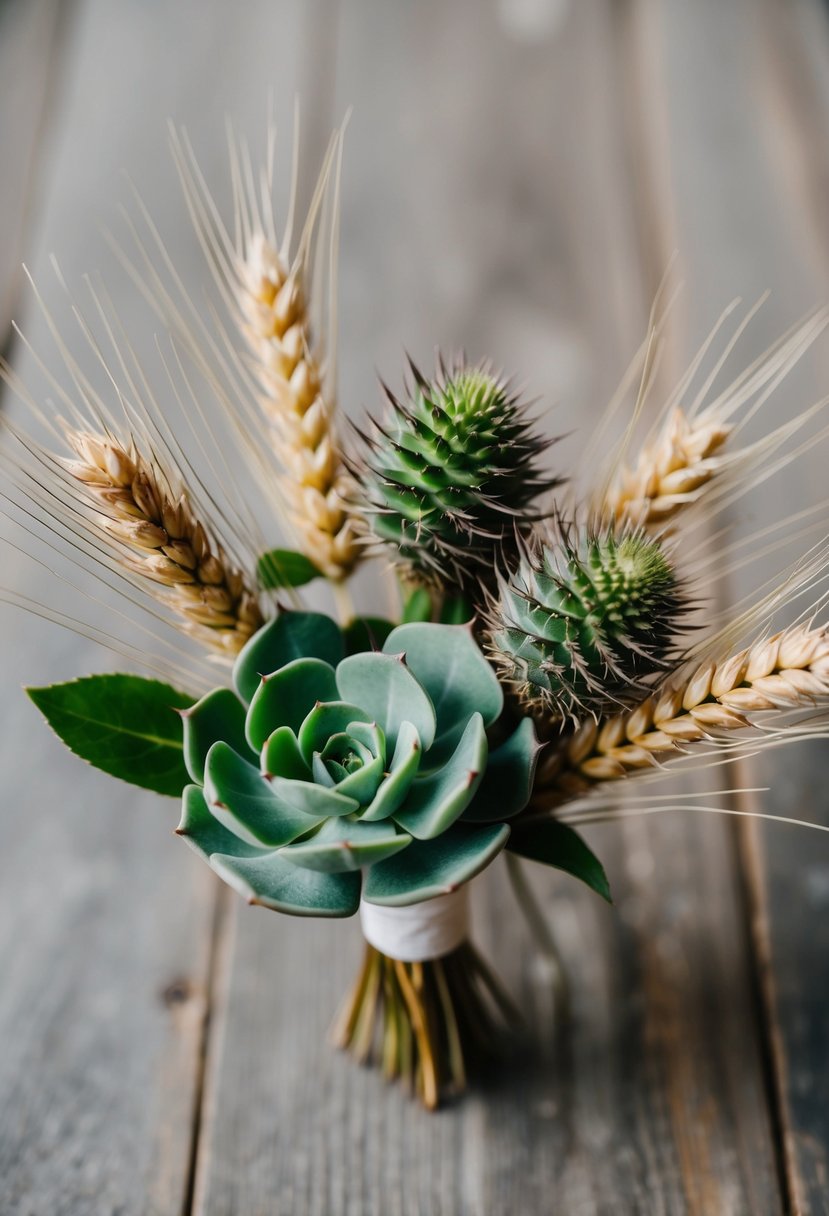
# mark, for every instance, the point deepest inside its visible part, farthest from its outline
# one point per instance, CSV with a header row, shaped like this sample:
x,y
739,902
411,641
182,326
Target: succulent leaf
x,y
436,801
449,664
287,696
354,785
244,802
276,883
509,778
449,476
200,828
290,635
389,692
218,716
343,844
428,868
585,620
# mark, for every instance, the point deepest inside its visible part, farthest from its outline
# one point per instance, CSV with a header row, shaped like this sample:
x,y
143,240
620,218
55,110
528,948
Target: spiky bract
x,y
449,478
584,620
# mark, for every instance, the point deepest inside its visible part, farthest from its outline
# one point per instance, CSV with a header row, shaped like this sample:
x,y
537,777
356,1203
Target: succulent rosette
x,y
332,775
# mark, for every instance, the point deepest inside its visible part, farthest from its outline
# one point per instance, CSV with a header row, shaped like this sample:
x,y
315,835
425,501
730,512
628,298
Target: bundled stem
x,y
785,672
159,538
430,1024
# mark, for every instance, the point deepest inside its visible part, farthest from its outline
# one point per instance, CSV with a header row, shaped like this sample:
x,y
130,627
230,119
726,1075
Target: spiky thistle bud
x,y
585,620
449,477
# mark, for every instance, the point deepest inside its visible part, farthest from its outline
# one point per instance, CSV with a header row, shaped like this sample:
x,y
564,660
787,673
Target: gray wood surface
x,y
516,177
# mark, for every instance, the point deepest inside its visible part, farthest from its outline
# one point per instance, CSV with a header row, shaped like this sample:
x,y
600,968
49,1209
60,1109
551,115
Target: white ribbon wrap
x,y
418,932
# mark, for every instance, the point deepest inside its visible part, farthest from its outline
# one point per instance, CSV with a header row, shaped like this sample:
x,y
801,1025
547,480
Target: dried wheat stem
x,y
669,472
159,538
277,329
785,672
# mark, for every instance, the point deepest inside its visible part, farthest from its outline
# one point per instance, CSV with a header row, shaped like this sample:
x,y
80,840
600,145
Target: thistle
x,y
585,620
449,478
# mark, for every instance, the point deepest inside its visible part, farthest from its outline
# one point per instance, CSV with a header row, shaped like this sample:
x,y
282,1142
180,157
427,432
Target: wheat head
x,y
787,671
159,539
669,472
315,487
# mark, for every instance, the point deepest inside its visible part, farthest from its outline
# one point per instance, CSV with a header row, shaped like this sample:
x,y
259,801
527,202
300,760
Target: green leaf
x,y
287,697
245,803
389,694
393,790
125,725
556,844
290,635
218,716
428,868
275,883
331,718
418,606
285,568
281,756
451,667
456,610
436,801
202,831
341,844
366,633
508,783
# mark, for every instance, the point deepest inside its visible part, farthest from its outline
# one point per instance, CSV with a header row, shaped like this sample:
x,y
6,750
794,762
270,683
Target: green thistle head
x,y
585,620
449,477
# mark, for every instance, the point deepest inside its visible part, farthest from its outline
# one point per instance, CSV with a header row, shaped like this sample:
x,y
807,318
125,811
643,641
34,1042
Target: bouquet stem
x,y
431,1025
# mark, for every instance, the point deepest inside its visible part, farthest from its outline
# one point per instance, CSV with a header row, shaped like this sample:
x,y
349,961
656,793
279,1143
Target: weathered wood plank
x,y
106,933
29,66
748,168
488,202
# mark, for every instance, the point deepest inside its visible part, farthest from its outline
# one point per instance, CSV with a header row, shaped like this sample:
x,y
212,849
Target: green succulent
x,y
328,775
583,622
449,477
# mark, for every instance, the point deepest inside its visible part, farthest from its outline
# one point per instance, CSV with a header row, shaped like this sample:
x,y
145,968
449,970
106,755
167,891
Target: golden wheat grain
x,y
277,329
785,672
163,542
670,472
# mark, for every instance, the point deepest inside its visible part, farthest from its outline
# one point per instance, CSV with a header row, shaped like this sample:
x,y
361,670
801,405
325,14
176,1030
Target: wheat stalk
x,y
669,472
276,326
785,672
160,539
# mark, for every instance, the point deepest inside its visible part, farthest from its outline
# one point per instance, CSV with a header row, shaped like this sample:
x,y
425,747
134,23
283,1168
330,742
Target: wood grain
x,y
747,172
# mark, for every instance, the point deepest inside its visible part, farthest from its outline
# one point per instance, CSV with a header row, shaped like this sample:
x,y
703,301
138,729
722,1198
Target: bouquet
x,y
547,640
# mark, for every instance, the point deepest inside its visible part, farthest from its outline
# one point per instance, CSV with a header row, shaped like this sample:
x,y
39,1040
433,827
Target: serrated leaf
x,y
290,635
285,568
125,725
555,844
428,868
508,784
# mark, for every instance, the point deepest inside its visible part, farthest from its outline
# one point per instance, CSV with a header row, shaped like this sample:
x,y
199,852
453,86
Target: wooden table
x,y
518,173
